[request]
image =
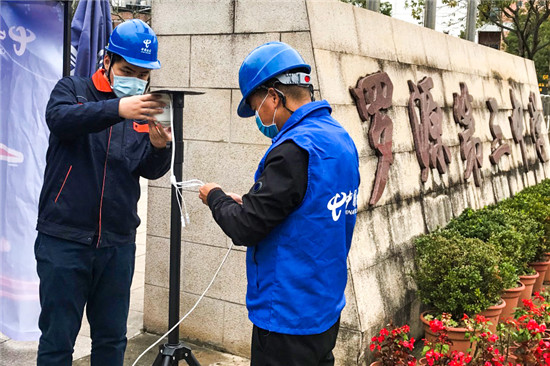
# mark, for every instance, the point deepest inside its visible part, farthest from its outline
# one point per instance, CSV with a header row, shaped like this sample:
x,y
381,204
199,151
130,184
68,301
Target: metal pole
x,y
430,8
66,37
373,5
471,18
175,222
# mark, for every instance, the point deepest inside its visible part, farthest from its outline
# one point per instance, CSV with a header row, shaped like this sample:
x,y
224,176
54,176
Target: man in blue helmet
x,y
297,220
103,138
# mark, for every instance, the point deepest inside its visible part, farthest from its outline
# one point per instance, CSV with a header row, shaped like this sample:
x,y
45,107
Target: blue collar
x,y
300,114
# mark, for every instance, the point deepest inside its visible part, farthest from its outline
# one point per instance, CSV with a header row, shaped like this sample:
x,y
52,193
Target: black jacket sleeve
x,y
67,119
276,194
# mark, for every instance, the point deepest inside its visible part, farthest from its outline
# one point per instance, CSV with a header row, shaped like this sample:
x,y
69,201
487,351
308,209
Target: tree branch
x,y
496,22
540,47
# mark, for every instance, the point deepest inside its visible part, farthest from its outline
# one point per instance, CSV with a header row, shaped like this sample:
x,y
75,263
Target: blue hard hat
x,y
136,42
262,64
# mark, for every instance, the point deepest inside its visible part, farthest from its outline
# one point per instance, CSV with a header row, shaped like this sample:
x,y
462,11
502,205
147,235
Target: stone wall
x,y
202,44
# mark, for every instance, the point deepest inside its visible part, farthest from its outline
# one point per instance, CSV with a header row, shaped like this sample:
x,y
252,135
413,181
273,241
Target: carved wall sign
x,y
516,123
498,147
471,149
425,117
535,123
372,95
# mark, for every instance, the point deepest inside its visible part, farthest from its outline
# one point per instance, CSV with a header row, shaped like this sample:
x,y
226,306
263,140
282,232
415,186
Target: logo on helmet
x,y
146,50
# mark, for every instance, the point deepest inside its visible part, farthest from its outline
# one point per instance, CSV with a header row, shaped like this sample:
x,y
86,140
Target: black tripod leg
x,y
191,360
170,355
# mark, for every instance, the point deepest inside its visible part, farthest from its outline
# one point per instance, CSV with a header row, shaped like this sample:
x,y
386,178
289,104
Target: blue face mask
x,y
124,86
269,131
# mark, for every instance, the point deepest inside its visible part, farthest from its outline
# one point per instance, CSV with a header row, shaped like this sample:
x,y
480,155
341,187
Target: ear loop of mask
x,y
283,99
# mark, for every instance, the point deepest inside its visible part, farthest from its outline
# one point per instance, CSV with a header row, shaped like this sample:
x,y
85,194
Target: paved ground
x,y
24,353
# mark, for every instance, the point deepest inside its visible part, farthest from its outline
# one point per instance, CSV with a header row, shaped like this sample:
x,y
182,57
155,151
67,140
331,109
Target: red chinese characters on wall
x,y
498,146
516,124
372,95
535,124
471,149
425,117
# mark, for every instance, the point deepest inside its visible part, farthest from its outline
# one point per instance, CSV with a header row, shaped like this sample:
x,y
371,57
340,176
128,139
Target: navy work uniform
x,y
85,249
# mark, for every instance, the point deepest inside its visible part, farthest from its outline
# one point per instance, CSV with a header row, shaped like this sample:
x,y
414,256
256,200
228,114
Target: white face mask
x,y
124,86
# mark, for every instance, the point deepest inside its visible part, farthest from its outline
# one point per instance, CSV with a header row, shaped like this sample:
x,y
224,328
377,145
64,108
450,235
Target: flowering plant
x,y
527,330
481,340
437,351
393,347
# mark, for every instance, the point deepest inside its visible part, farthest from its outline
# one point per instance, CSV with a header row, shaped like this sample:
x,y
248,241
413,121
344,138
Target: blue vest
x,y
297,274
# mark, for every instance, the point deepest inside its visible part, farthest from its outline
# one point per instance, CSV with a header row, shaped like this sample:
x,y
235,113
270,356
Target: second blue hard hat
x,y
263,64
136,42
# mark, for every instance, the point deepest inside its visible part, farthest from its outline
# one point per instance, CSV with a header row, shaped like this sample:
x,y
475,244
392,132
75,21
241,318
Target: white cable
x,y
184,221
190,311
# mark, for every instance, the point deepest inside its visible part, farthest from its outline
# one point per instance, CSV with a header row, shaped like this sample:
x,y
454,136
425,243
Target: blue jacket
x,y
297,274
93,165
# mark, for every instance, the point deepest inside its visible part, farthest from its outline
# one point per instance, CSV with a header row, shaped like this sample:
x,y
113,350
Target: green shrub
x,y
509,244
534,204
521,235
457,275
543,188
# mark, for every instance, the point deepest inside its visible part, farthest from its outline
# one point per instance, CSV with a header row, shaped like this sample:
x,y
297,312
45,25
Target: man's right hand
x,y
140,107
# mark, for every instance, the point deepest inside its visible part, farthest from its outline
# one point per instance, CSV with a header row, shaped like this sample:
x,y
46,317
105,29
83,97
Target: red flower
x,y
436,326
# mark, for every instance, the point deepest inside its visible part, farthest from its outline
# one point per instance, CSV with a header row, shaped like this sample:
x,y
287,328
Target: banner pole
x,y
66,38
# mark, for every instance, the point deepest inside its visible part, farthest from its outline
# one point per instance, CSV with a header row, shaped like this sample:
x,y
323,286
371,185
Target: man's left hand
x,y
205,190
159,135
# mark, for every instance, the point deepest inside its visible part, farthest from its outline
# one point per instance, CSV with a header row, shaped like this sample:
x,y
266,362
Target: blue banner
x,y
90,30
31,59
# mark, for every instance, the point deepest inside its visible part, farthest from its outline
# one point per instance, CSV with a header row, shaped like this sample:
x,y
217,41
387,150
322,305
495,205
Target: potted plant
x,y
393,347
531,203
456,275
485,353
515,235
508,241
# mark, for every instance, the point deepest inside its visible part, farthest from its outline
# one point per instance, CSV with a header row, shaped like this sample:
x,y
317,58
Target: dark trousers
x,y
276,349
73,275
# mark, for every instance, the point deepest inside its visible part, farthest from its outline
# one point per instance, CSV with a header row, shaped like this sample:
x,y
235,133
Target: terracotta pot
x,y
376,363
528,281
547,275
456,335
493,314
541,268
511,296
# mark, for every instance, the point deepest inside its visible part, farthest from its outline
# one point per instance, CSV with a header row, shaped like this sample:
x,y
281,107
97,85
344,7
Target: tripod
x,y
174,351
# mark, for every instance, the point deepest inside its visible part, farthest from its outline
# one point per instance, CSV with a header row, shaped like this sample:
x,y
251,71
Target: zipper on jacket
x,y
103,186
63,185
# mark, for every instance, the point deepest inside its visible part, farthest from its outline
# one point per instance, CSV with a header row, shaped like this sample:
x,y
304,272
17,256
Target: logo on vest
x,y
336,204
